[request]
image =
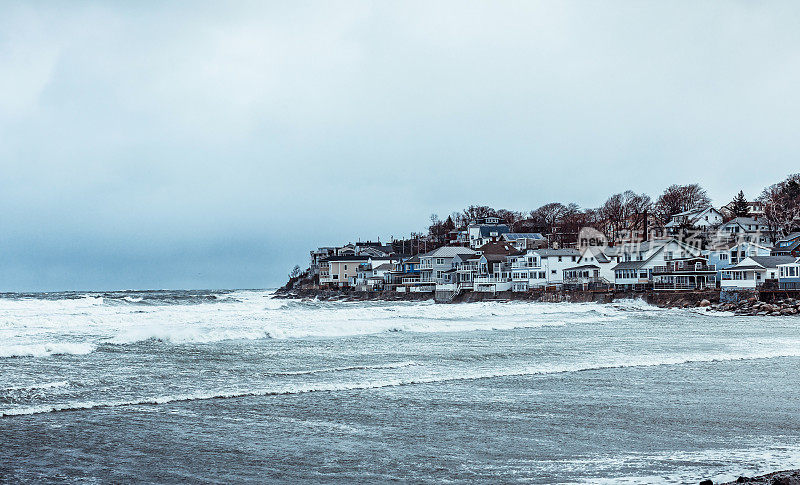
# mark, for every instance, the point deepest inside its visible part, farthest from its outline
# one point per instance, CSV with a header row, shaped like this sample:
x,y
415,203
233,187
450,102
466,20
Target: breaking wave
x,y
384,383
46,349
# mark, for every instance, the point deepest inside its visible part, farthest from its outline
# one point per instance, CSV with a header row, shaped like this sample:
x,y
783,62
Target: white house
x,y
488,230
604,258
753,272
635,270
541,267
703,219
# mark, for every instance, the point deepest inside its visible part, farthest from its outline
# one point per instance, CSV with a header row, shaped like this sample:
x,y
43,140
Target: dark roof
x,y
495,258
347,258
510,236
369,243
503,248
486,231
583,266
629,265
794,235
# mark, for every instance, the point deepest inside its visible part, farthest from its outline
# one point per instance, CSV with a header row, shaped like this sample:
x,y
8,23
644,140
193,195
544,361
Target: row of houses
x,y
487,257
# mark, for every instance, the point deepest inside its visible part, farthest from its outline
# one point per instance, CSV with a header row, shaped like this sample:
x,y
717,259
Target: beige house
x,y
340,270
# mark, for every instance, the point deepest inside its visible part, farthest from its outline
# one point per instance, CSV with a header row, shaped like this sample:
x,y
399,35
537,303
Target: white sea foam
x,y
394,365
34,387
651,361
46,349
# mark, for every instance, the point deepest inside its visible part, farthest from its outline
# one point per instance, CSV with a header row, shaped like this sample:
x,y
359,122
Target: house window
x,y
345,266
553,271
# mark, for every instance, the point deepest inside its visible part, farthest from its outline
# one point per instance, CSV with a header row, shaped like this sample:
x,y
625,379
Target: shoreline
x,y
663,299
708,299
784,477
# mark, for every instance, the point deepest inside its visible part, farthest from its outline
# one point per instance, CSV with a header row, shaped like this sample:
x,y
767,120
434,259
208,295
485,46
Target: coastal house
x,y
692,273
525,240
745,229
348,249
788,246
485,231
583,276
404,275
537,268
702,219
754,272
754,209
318,255
635,270
340,271
789,275
725,254
604,257
435,266
492,269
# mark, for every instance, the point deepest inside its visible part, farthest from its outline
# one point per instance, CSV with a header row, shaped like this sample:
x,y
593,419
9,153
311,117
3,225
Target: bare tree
x,y
681,198
782,205
549,214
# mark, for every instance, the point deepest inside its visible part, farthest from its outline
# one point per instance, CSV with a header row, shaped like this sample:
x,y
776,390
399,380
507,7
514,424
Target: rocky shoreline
x,y
753,306
786,477
709,298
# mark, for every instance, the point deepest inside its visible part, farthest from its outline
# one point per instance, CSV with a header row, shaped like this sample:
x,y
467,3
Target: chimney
x,y
645,225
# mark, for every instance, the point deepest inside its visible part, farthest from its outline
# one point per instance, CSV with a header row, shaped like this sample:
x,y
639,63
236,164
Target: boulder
x,y
705,303
706,482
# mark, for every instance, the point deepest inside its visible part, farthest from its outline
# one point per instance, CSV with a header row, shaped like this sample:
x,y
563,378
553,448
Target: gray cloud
x,y
202,144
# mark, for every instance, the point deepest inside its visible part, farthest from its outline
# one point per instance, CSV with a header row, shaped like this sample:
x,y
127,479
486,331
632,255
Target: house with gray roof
x,y
753,272
435,266
745,229
635,270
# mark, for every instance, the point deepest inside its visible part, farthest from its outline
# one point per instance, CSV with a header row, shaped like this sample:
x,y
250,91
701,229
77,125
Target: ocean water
x,y
236,387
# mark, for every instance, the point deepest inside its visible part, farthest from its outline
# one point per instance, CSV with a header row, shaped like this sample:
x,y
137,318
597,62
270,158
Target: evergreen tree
x,y
739,207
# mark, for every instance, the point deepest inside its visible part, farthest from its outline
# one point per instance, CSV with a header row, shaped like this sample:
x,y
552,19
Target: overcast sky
x,y
211,145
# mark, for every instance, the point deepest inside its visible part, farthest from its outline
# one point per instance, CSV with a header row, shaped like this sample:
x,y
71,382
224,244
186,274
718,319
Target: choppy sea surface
x,y
235,386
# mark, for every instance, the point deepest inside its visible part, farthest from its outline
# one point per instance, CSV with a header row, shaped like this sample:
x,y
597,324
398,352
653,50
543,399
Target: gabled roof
x,y
629,265
583,266
447,252
790,237
499,247
746,221
772,261
597,253
796,261
763,262
545,253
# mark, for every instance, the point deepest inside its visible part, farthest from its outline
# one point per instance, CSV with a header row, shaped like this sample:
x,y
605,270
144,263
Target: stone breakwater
x,y
753,306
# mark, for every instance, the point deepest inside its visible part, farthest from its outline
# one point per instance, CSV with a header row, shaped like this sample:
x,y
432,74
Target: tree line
x,y
628,212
